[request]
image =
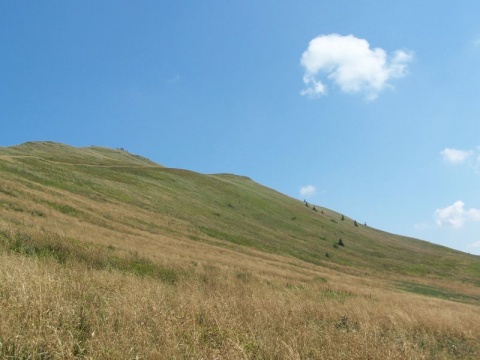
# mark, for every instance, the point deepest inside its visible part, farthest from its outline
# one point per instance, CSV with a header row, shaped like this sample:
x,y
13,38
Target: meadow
x,y
106,255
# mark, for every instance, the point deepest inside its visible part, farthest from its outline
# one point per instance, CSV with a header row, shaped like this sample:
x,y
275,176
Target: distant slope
x,y
53,186
93,155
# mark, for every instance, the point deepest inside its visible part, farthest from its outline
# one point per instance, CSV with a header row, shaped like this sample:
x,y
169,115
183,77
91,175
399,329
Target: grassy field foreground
x,y
73,310
136,261
77,309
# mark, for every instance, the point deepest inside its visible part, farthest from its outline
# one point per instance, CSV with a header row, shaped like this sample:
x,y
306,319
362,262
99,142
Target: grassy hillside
x,y
208,266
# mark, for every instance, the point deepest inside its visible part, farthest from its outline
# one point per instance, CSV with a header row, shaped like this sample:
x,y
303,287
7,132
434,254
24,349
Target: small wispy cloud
x,y
475,244
470,158
455,156
456,215
174,79
476,42
422,226
351,64
308,190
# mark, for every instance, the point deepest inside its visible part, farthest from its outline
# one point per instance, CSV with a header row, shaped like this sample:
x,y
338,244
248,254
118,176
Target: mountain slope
x,y
105,254
94,185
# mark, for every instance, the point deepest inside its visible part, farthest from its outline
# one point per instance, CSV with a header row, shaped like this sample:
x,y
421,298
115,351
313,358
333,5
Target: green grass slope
x,y
52,186
60,153
106,255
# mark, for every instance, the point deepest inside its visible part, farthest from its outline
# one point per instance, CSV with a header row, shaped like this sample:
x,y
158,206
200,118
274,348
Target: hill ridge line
x,y
79,164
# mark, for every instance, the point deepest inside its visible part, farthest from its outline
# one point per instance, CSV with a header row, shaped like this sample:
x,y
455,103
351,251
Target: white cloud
x,y
351,64
456,215
308,190
455,156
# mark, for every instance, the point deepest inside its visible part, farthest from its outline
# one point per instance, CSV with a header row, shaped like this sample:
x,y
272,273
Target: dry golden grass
x,y
50,310
226,305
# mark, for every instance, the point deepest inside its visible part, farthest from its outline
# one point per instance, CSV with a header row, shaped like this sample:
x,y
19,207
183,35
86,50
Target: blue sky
x,y
370,108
